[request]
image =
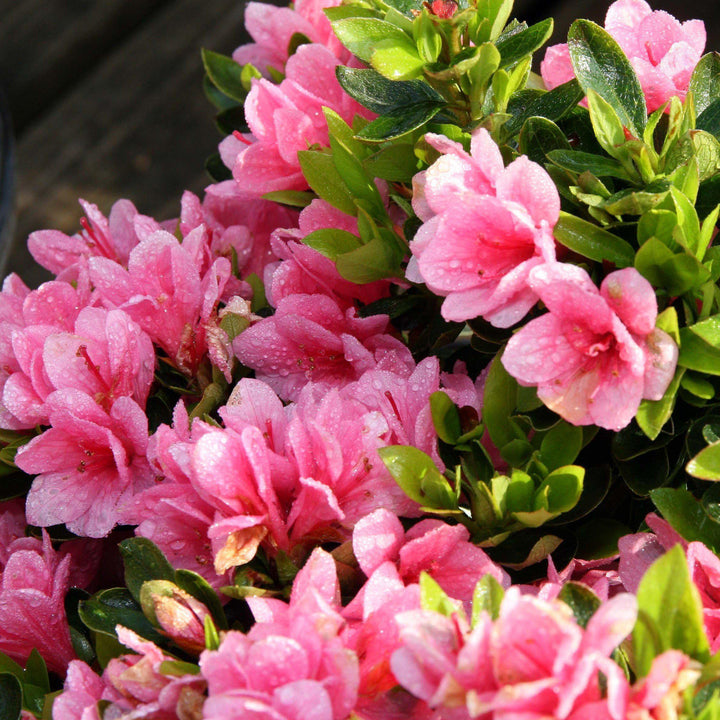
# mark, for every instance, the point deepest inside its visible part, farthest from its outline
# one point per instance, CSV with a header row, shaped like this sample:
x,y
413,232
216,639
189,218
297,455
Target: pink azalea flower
x,y
112,237
82,691
662,51
298,671
33,584
272,29
310,338
88,464
597,353
287,118
238,223
485,228
164,292
432,546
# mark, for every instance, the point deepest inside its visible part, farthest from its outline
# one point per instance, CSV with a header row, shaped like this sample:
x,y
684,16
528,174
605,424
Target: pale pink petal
x,y
377,538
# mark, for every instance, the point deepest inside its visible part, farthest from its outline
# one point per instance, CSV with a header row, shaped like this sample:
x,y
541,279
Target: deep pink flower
x,y
597,353
287,118
272,29
166,291
112,237
432,546
485,228
88,464
33,584
310,338
662,51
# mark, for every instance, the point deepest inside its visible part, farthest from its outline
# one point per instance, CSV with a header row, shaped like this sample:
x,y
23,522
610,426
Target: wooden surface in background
x,y
107,101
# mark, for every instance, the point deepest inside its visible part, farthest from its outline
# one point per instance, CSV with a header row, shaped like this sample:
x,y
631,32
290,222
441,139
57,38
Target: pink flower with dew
x,y
12,526
33,584
113,237
485,227
294,671
310,338
136,683
238,223
534,660
662,51
164,292
597,353
272,30
303,270
288,117
432,546
24,383
81,693
88,465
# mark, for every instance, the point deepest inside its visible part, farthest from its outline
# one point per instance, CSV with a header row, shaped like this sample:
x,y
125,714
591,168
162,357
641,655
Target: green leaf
x,y
674,273
540,136
706,464
499,404
592,242
697,385
396,163
397,62
491,17
116,606
36,672
332,242
293,198
178,668
487,597
322,176
700,346
581,600
669,600
399,122
445,417
688,516
10,697
560,490
373,261
212,637
418,477
552,105
143,561
225,74
383,96
633,202
601,66
705,81
200,589
578,162
561,445
434,598
8,665
514,47
653,414
361,36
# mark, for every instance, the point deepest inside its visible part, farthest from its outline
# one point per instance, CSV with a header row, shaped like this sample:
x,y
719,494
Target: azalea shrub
x,y
414,414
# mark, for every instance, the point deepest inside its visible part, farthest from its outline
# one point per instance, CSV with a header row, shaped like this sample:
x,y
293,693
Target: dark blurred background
x,y
105,99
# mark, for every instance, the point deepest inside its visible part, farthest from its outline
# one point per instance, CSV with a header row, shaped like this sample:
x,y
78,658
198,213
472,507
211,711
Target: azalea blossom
x,y
662,51
597,353
485,228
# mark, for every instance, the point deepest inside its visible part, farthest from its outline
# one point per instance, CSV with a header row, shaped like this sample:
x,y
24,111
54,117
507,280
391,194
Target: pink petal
x,y
376,539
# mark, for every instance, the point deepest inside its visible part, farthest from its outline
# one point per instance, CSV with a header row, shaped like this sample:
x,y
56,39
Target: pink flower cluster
x,y
662,51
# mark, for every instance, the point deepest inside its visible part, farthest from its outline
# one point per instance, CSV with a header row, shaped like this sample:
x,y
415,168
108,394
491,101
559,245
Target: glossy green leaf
x,y
519,492
434,598
646,473
225,74
514,47
397,123
322,176
633,202
499,404
705,81
36,672
561,445
540,136
445,417
674,273
396,162
397,62
561,489
706,464
116,606
293,198
581,600
418,477
10,697
361,35
212,637
687,515
653,414
487,597
579,162
700,346
552,105
143,561
659,224
697,385
669,612
601,66
332,242
373,261
592,241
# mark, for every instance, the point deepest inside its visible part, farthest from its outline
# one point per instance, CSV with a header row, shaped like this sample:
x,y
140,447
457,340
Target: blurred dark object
x,y
7,172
